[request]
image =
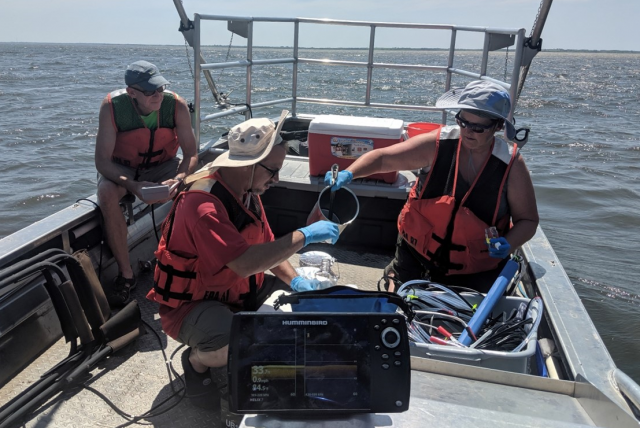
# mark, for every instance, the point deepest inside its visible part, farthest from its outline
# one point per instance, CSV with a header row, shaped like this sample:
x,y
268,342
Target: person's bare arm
x,y
263,257
522,204
284,271
416,152
187,141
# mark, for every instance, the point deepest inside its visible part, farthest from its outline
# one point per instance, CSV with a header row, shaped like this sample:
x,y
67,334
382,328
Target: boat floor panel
x,y
135,378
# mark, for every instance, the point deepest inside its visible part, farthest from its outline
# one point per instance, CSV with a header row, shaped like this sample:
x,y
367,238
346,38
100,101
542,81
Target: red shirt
x,y
205,229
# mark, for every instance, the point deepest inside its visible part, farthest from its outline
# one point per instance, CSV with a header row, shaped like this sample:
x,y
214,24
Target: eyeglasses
x,y
149,93
475,127
273,172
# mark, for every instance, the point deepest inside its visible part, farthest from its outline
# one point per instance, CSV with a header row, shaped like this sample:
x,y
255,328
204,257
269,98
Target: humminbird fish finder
x,y
308,363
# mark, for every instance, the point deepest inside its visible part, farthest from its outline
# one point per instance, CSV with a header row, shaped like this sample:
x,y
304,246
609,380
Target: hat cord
x,y
247,200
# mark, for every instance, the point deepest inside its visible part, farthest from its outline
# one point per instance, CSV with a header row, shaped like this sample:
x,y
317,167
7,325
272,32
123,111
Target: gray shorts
x,y
208,325
156,174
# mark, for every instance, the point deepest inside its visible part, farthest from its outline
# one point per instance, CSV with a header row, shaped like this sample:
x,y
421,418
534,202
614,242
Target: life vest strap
x,y
452,246
250,299
150,154
166,292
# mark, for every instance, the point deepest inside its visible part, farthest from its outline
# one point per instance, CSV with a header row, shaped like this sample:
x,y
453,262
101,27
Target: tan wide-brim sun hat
x,y
249,143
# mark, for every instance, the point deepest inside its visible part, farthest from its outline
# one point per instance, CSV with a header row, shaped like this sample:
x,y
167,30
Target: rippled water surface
x,y
584,151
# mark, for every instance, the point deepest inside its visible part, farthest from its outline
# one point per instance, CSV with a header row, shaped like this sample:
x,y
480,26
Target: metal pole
x,y
515,73
186,32
294,86
372,42
196,77
249,67
447,85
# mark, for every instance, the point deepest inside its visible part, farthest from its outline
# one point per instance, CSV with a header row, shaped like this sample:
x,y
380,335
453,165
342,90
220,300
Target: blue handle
x,y
487,304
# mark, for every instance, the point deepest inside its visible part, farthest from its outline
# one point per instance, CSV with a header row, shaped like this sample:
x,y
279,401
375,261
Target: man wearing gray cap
x,y
472,183
140,130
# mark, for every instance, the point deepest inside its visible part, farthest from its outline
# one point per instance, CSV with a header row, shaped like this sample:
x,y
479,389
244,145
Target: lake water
x,y
583,153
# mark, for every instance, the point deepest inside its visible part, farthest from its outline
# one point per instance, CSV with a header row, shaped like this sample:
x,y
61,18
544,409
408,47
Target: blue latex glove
x,y
320,231
499,248
302,284
344,178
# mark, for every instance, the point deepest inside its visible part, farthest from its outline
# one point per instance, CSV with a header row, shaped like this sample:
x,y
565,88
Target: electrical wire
x,y
131,419
430,296
443,311
153,219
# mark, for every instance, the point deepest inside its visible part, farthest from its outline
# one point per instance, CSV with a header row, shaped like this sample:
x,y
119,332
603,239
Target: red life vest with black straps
x,y
449,230
179,279
136,145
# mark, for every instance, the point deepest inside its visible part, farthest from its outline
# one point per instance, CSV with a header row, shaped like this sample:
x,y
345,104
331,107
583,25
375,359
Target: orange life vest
x,y
450,232
178,280
136,145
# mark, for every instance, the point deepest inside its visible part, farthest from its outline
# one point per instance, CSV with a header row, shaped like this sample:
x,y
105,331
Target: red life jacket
x,y
178,280
447,231
136,145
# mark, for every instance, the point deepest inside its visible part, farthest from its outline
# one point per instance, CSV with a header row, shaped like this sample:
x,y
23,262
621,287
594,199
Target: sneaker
x,y
120,293
200,389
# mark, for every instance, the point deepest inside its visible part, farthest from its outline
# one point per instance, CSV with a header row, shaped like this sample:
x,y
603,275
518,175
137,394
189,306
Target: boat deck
x,y
135,378
443,394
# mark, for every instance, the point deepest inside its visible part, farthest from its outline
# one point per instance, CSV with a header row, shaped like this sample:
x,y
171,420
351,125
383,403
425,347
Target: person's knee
x,y
109,193
217,358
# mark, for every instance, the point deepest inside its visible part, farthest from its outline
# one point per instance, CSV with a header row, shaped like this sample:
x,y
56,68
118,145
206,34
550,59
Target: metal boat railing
x,y
494,39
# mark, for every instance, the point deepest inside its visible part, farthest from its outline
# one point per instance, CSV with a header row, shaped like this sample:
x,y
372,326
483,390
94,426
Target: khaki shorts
x,y
208,325
156,174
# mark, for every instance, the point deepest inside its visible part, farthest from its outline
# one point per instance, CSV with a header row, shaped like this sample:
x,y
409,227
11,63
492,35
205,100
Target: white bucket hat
x,y
249,143
483,96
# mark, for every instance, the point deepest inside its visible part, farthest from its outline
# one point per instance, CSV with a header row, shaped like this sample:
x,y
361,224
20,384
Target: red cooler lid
x,y
354,126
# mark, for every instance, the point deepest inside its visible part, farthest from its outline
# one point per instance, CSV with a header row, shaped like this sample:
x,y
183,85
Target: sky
x,y
572,24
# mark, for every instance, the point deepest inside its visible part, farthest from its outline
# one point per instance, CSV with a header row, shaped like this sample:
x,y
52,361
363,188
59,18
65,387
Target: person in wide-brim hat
x,y
472,207
249,143
215,248
482,98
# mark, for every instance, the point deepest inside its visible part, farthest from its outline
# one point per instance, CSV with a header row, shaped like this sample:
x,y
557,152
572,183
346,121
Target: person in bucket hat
x,y
215,248
473,203
140,129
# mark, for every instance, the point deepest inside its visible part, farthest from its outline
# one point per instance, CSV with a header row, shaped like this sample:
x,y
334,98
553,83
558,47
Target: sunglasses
x,y
273,172
475,127
149,93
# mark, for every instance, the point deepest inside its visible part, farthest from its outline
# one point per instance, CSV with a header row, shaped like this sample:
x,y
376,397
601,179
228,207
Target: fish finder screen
x,y
312,364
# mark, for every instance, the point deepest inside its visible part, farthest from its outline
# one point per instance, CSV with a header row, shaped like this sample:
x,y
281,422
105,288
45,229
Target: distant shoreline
x,y
557,50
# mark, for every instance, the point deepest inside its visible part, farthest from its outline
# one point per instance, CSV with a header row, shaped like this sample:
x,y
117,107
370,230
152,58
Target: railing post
x,y
196,76
294,84
372,43
249,67
447,83
485,54
515,72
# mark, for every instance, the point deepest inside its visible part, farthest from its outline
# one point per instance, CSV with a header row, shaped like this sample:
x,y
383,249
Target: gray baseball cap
x,y
144,75
485,98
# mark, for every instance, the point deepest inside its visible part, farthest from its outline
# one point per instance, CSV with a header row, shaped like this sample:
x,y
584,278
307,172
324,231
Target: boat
x,y
62,367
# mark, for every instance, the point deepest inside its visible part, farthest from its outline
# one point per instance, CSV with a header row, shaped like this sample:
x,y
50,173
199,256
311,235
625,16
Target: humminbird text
x,y
314,322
